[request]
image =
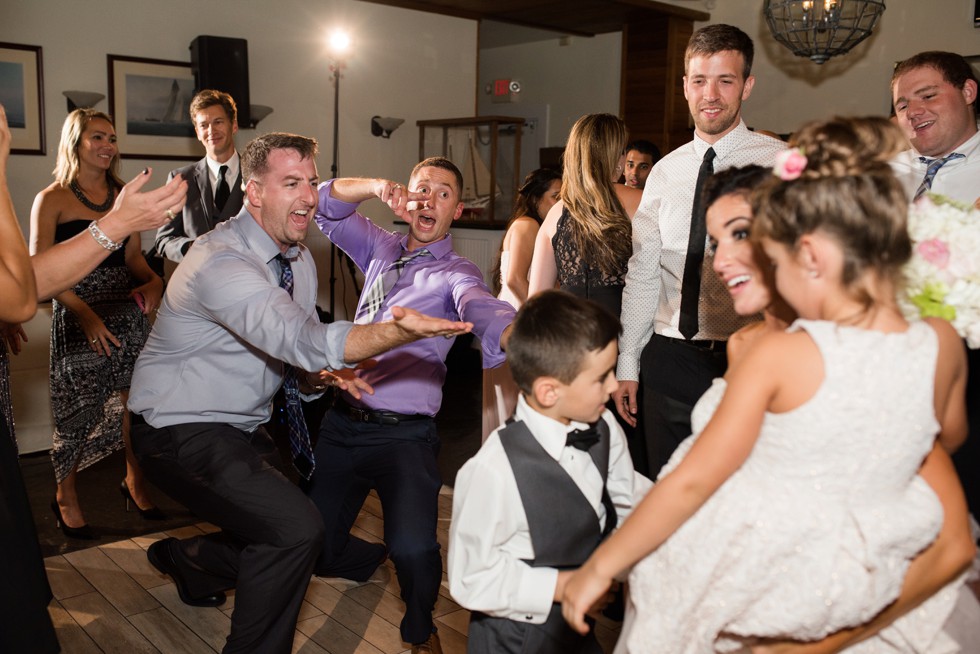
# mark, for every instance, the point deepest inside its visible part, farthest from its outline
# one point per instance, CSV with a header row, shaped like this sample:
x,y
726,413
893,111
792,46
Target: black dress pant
x,y
967,458
399,461
271,532
673,375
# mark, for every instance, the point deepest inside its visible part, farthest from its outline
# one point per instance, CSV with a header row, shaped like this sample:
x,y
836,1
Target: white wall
x,y
791,90
584,77
569,80
407,64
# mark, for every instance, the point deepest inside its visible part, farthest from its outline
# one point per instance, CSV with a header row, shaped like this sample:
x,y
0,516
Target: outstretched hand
x,y
412,322
344,379
136,211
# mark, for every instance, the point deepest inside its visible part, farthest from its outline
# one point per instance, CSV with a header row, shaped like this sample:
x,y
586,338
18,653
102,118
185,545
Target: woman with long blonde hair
x,y
98,326
586,239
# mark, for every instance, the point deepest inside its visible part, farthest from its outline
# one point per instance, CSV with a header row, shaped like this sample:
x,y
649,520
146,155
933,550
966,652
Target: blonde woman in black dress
x,y
100,325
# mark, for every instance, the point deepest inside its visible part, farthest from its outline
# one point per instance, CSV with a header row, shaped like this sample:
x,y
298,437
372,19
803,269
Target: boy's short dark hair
x,y
553,332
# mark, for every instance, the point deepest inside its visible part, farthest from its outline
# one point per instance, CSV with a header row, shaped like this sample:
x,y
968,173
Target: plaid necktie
x,y
691,282
224,191
383,284
934,166
299,436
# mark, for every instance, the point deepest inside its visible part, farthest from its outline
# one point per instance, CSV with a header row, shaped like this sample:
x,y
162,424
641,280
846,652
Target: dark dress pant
x,y
967,458
673,376
25,625
271,533
399,461
489,635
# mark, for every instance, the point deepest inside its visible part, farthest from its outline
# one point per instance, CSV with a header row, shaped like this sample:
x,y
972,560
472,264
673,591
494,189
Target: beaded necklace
x,y
98,208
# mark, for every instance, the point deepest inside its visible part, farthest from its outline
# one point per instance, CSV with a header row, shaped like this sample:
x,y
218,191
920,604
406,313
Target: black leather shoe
x,y
162,558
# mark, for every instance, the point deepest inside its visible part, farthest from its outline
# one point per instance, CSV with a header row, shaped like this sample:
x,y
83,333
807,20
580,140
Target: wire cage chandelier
x,y
821,29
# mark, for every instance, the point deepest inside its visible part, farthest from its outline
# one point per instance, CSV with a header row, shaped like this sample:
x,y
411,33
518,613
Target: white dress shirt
x,y
234,165
661,230
958,179
489,539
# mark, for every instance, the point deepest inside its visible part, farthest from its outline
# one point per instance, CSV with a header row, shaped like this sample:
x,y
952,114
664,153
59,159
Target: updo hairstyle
x,y
846,191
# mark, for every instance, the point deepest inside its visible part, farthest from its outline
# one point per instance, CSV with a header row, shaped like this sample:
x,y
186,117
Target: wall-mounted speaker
x,y
221,63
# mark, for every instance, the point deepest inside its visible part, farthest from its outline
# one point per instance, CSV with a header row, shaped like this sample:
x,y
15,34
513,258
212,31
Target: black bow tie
x,y
583,439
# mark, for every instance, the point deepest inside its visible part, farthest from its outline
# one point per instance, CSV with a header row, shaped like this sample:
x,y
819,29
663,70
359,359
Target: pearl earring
x,y
812,273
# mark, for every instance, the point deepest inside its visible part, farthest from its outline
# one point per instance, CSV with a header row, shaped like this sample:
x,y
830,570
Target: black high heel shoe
x,y
152,513
84,532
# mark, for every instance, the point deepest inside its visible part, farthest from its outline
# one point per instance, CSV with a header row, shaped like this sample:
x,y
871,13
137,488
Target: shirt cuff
x,y
627,368
536,595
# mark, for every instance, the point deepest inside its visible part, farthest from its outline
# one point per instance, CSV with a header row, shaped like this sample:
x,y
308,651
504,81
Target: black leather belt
x,y
376,416
713,346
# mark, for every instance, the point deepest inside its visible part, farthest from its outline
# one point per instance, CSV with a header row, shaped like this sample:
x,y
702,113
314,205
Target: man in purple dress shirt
x,y
388,440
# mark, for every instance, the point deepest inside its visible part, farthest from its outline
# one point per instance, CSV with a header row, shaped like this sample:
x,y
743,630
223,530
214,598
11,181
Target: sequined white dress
x,y
815,531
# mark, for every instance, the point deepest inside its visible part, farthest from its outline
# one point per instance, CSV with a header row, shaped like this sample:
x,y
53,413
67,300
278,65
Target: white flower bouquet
x,y
943,276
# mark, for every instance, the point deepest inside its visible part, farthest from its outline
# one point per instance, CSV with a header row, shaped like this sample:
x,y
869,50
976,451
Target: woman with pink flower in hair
x,y
795,510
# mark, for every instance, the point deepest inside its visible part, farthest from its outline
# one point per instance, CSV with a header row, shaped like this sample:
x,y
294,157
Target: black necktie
x,y
582,439
223,191
691,285
299,436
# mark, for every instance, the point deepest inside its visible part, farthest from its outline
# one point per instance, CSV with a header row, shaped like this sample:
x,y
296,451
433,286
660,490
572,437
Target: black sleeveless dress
x,y
85,398
579,278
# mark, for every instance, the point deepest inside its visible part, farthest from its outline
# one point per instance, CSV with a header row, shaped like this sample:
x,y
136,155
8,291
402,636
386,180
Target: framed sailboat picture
x,y
149,100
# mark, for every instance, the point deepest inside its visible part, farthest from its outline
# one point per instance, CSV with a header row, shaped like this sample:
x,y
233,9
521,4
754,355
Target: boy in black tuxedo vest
x,y
546,488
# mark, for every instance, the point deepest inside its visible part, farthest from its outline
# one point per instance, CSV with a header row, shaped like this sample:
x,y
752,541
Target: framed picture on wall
x,y
22,96
149,99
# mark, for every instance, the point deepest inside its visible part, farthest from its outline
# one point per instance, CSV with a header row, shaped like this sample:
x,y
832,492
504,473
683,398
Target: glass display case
x,y
487,150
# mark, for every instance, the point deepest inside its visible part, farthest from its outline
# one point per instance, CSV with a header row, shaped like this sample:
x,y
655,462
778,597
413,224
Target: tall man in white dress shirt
x,y
935,98
214,184
677,315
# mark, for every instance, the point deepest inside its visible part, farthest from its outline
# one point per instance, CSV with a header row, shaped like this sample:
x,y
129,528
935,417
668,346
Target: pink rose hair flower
x,y
790,164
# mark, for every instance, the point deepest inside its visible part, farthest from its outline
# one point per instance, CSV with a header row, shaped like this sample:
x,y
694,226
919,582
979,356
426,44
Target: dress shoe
x,y
431,646
152,513
84,532
161,556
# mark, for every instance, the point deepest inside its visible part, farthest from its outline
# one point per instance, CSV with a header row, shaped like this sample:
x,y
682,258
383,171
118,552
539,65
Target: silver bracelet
x,y
101,238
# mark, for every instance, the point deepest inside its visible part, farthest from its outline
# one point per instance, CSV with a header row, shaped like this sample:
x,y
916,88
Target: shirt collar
x,y
725,145
550,433
968,148
234,164
437,250
259,241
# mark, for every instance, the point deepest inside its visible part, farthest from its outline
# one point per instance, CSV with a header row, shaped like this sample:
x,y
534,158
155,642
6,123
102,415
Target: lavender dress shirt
x,y
409,379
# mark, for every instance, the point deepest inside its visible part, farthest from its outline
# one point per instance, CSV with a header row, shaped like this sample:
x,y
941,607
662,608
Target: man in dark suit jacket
x,y
214,184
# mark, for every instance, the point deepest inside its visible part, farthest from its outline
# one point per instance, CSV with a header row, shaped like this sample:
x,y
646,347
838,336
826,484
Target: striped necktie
x,y
383,283
299,436
933,167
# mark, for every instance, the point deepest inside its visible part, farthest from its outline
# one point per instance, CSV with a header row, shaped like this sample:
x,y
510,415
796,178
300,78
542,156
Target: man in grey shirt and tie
x,y
228,331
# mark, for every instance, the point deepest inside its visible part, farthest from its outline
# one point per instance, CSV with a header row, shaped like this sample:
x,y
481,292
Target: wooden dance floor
x,y
110,599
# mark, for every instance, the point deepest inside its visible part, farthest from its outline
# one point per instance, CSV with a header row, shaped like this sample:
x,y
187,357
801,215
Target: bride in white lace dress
x,y
796,508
